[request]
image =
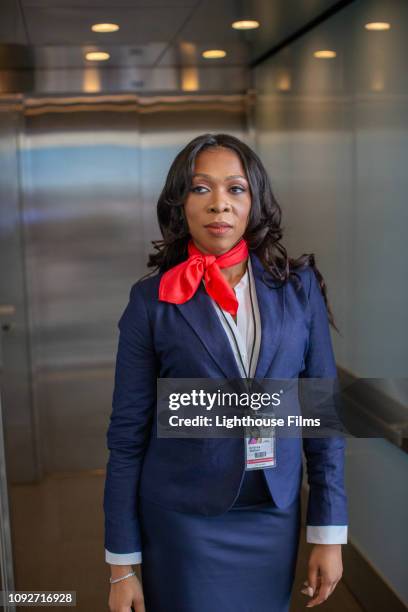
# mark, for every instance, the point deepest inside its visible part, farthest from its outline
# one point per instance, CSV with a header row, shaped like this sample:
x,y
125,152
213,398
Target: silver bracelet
x,y
112,580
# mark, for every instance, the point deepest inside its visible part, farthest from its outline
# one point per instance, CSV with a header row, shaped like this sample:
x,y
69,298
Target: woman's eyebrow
x,y
231,176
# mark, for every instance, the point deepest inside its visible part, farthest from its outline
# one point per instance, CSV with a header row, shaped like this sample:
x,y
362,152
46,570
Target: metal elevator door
x,y
86,172
91,173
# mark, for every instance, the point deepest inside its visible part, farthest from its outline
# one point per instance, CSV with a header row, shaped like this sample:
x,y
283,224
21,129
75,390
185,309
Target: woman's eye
x,y
194,189
233,188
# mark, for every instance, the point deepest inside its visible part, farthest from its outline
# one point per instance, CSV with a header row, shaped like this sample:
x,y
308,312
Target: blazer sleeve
x,y
134,398
327,502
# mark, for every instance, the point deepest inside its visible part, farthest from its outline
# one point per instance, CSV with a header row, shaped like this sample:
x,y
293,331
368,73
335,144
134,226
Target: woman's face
x,y
219,195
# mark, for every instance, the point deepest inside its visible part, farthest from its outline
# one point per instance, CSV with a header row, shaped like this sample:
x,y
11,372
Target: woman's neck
x,y
233,274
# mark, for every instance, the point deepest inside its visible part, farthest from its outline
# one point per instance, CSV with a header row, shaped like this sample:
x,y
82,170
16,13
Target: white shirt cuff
x,y
326,534
123,559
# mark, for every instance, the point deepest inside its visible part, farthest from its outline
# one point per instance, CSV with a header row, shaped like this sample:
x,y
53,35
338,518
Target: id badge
x,y
260,452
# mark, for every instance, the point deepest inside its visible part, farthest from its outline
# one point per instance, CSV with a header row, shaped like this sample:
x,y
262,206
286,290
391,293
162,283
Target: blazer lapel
x,y
271,303
200,314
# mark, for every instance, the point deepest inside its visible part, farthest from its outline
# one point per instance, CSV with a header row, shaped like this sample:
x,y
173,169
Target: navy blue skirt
x,y
241,561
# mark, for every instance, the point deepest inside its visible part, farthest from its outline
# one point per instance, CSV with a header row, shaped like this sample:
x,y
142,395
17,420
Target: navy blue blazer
x,y
159,339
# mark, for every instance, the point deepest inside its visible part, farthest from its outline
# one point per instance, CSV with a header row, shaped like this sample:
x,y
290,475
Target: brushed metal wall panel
x,y
334,136
92,172
20,422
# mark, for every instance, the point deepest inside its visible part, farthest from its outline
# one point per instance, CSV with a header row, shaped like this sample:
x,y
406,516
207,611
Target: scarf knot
x,y
180,283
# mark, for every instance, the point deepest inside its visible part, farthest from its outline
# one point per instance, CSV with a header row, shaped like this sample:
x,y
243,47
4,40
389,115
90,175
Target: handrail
x,y
368,408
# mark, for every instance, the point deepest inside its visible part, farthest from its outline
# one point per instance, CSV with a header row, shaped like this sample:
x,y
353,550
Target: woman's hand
x,y
126,593
325,568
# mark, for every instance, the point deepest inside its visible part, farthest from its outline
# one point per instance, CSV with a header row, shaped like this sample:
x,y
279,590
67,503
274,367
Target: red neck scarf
x,y
180,283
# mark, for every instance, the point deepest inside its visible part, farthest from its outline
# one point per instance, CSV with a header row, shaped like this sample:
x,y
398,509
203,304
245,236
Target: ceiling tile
x,y
189,53
280,19
71,26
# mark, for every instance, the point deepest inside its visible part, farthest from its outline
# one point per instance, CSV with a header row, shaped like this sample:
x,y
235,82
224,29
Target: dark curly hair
x,y
263,233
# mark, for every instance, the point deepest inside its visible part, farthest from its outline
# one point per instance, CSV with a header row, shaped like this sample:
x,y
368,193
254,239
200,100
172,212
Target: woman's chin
x,y
224,240
218,244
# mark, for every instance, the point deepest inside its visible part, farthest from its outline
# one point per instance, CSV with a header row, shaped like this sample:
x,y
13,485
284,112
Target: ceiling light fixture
x,y
324,54
377,25
245,24
214,53
105,27
97,56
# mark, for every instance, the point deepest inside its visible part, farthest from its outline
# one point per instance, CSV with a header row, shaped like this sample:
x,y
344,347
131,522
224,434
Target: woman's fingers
x,y
325,590
324,572
307,590
313,580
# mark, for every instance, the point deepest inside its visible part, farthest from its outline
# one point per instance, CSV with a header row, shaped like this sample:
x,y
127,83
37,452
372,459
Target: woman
x,y
208,531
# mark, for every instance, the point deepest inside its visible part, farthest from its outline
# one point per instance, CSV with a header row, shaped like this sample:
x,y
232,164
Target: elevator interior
x,y
84,149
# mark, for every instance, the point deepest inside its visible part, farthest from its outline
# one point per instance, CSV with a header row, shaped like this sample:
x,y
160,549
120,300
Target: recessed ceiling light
x,y
105,27
325,53
245,24
214,53
377,25
97,56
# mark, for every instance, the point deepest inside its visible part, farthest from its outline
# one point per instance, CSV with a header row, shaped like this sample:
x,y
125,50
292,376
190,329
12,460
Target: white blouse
x,y
244,336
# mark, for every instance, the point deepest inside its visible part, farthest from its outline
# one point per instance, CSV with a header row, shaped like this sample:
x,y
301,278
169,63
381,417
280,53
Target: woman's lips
x,y
218,230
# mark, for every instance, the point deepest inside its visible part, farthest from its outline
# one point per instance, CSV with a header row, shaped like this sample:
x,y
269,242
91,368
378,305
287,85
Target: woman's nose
x,y
218,206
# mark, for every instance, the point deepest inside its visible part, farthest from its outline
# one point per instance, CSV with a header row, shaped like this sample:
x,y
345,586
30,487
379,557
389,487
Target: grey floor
x,y
57,530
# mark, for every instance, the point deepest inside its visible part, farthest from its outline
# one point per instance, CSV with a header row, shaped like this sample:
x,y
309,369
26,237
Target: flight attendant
x,y
224,301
